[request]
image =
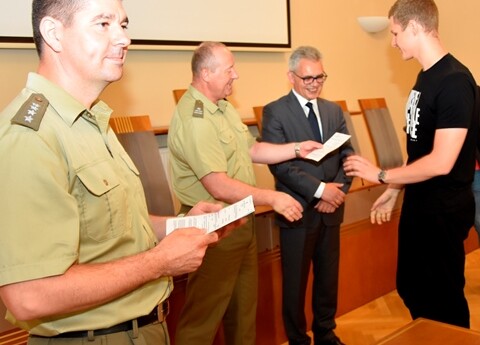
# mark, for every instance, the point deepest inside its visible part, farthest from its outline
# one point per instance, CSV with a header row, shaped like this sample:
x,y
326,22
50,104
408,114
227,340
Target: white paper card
x,y
213,221
337,140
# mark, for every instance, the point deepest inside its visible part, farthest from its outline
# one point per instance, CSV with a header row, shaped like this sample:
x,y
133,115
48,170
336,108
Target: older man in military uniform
x,y
211,156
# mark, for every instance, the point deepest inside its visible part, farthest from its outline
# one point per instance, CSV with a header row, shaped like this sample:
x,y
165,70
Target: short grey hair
x,y
204,57
303,52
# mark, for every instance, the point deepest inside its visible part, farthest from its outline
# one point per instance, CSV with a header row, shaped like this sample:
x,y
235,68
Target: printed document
x,y
337,140
214,221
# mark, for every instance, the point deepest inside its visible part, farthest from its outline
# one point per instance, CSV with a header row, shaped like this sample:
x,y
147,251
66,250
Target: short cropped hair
x,y
204,57
62,10
303,52
425,12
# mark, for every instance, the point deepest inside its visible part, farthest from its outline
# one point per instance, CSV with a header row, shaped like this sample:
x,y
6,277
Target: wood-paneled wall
x,y
368,257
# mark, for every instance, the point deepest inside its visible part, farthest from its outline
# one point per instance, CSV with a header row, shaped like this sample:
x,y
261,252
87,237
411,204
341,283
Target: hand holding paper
x,y
337,140
216,220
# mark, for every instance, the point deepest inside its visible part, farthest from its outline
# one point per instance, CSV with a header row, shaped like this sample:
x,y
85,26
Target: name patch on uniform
x,y
198,109
31,112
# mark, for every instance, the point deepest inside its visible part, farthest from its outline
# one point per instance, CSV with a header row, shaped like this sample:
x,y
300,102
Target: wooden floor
x,y
373,321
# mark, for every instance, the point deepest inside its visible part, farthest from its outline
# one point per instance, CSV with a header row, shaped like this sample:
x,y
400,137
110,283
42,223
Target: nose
x,y
125,41
235,74
394,42
121,38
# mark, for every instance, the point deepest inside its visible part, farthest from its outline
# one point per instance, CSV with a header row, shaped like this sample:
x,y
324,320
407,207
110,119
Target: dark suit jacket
x,y
284,121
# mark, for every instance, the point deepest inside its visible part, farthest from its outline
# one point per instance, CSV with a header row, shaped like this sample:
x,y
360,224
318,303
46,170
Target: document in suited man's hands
x,y
216,220
337,140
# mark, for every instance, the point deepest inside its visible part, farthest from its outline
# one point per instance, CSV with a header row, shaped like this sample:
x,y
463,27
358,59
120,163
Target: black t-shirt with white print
x,y
443,96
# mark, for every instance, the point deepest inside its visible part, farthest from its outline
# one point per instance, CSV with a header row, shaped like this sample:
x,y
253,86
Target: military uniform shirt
x,y
203,138
70,195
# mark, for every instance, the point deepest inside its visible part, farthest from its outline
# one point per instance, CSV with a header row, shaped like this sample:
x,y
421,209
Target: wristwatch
x,y
382,175
297,150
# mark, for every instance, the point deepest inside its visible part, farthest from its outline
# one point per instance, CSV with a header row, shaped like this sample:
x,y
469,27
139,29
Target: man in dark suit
x,y
320,187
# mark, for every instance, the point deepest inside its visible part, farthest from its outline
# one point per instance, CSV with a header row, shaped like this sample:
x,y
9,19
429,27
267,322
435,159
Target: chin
x,y
113,78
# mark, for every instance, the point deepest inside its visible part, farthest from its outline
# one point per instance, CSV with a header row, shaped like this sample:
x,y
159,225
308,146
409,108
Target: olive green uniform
x,y
204,138
71,195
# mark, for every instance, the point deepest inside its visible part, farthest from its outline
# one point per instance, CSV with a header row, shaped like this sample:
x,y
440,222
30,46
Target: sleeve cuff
x,y
318,194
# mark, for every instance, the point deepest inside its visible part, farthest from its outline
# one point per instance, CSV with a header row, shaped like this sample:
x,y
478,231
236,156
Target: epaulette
x,y
198,109
31,112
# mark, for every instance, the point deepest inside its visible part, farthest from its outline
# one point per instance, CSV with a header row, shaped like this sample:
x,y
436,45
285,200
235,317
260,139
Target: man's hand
x,y
203,207
308,146
360,167
287,206
325,207
333,194
183,250
382,208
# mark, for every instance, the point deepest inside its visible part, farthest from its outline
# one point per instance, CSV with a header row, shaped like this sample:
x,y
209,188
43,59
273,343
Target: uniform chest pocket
x,y
227,138
103,203
233,137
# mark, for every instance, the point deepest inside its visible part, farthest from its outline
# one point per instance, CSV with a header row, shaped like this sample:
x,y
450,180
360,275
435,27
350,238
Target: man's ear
x,y
205,74
52,32
291,77
415,26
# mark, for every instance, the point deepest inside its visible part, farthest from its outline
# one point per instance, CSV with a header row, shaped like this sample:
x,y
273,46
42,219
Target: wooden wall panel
x,y
368,260
367,271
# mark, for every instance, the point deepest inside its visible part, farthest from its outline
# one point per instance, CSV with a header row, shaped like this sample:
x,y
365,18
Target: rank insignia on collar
x,y
31,112
198,109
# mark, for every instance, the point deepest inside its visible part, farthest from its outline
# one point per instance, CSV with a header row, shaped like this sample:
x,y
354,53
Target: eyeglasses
x,y
310,79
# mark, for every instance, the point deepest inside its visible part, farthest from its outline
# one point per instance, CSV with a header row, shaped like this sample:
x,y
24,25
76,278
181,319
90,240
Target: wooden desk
x,y
428,332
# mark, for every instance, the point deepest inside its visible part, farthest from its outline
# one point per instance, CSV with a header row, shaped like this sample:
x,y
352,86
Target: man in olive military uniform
x,y
80,257
211,157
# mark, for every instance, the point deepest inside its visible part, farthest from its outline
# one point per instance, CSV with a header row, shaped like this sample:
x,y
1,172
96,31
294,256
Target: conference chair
x,y
136,135
258,112
177,94
382,132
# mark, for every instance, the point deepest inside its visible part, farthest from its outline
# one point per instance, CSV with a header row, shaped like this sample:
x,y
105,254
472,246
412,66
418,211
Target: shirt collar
x,y
302,100
67,107
208,104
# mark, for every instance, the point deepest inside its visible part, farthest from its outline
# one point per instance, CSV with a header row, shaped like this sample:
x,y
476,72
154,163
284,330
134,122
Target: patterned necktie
x,y
312,119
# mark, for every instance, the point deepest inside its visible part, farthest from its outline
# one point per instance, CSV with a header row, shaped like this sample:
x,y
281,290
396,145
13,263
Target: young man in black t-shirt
x,y
438,206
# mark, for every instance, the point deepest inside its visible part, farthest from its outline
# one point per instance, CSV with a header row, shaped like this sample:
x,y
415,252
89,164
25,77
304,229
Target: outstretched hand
x,y
308,146
382,208
287,206
355,165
